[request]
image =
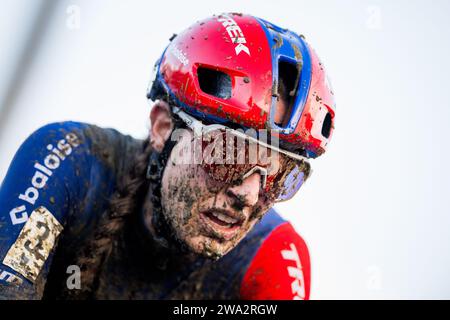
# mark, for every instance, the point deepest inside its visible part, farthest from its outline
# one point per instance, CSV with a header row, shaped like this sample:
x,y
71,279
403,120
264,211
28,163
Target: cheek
x,y
184,183
183,187
176,189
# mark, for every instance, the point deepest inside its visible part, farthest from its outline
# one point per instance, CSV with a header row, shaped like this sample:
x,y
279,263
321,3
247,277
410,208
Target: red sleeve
x,y
280,269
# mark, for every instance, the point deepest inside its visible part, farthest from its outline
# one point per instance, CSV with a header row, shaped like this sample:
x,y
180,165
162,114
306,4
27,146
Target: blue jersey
x,y
55,193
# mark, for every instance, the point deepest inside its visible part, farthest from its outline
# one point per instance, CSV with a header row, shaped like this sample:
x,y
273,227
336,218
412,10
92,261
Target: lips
x,y
221,223
222,219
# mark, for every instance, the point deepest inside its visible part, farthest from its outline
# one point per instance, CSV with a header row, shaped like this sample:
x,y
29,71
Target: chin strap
x,y
164,233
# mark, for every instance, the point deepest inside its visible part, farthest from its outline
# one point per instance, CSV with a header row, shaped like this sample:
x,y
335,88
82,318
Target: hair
x,y
130,192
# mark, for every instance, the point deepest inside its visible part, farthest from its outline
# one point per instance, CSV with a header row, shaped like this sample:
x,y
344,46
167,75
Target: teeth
x,y
224,218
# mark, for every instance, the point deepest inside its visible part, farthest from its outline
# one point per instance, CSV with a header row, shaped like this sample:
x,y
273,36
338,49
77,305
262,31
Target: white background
x,y
374,213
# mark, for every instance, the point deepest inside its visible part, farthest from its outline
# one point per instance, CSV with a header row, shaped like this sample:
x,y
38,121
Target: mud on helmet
x,y
230,69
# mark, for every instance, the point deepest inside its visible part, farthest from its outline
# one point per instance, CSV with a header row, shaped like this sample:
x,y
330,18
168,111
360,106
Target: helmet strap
x,y
163,233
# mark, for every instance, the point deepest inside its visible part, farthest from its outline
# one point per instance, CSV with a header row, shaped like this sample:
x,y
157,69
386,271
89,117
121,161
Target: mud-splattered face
x,y
207,214
210,217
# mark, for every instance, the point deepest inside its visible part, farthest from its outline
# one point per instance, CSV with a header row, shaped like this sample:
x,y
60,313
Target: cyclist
x,y
151,219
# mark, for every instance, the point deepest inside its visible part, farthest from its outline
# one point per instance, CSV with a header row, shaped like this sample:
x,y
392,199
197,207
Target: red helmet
x,y
232,69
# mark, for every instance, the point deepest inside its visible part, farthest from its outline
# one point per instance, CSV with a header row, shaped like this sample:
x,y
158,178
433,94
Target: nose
x,y
247,193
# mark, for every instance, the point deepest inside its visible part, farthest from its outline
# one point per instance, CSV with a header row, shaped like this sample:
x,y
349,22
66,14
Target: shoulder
x,y
77,133
89,142
271,262
67,135
280,266
65,169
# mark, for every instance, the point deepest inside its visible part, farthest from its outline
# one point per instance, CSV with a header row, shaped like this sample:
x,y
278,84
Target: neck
x,y
153,231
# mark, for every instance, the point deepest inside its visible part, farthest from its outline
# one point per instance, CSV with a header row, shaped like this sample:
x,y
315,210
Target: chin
x,y
209,247
214,247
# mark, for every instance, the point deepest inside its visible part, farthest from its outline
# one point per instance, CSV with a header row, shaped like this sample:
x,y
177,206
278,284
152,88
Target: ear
x,y
161,125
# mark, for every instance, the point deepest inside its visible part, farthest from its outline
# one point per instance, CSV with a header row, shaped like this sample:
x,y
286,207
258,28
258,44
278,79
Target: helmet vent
x,y
326,126
288,77
214,82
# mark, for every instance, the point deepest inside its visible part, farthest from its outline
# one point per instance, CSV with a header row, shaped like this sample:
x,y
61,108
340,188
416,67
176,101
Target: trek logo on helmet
x,y
235,33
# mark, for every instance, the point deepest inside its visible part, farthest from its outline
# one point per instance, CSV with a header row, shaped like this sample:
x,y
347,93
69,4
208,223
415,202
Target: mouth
x,y
221,223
